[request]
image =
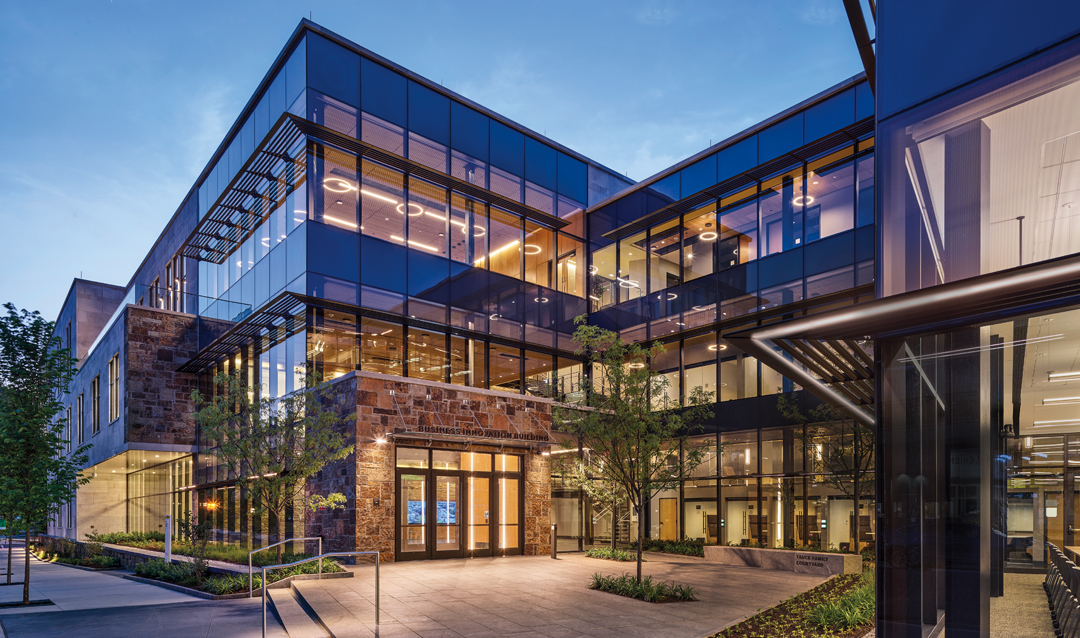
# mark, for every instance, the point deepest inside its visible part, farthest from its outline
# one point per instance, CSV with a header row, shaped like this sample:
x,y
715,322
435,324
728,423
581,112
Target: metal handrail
x,y
288,540
319,558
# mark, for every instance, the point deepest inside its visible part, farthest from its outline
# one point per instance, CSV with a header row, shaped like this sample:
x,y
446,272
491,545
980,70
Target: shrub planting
x,y
607,553
627,585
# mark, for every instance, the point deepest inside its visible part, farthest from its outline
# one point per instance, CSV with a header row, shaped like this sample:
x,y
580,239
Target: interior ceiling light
x,y
627,283
803,199
528,246
541,300
594,297
1055,423
1061,400
401,209
636,366
340,221
671,296
1064,376
714,347
338,185
593,270
707,236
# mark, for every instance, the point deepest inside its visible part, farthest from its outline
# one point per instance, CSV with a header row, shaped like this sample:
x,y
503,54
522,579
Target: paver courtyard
x,y
519,596
538,596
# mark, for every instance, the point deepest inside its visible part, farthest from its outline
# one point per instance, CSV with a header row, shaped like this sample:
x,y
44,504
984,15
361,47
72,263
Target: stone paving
x,y
536,597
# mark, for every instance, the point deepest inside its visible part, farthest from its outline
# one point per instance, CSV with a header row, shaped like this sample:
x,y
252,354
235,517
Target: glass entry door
x,y
457,504
447,516
413,518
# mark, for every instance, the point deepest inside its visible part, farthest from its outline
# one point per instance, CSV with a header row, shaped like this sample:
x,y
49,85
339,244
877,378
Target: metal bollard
x,y
555,541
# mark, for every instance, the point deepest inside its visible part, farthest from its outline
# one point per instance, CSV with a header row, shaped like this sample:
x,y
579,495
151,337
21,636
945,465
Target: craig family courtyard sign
x,y
820,563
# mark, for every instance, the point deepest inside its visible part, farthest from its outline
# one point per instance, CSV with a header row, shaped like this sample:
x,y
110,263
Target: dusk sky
x,y
109,110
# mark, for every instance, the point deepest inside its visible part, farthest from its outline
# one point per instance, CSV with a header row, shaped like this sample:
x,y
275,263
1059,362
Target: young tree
x,y
841,450
35,474
633,431
271,445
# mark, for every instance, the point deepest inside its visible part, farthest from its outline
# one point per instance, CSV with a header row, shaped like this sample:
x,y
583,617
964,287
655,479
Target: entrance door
x,y
669,519
447,518
478,534
413,518
509,516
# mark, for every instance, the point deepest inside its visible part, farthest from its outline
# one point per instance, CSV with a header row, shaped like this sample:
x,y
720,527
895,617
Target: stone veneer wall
x,y
337,527
157,398
366,477
382,414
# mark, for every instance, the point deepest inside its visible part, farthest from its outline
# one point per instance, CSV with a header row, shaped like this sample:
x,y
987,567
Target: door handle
x,y
1071,529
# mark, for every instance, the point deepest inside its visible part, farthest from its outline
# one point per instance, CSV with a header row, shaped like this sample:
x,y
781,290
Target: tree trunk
x,y
10,541
26,568
640,537
280,516
614,522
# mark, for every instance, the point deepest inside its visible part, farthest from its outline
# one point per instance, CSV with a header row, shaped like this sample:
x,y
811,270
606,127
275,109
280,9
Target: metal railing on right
x,y
319,558
288,540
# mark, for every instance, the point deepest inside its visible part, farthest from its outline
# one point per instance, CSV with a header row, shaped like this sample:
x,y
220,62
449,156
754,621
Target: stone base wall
x,y
537,505
157,398
367,477
337,527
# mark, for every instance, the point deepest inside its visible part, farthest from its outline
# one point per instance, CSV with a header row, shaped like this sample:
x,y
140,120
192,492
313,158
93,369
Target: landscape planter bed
x,y
791,560
284,583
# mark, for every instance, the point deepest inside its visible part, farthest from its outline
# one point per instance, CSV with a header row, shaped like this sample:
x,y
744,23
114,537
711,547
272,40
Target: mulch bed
x,y
788,619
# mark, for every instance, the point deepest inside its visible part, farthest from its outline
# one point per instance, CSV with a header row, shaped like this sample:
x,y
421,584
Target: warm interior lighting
x,y
342,186
528,246
401,209
707,236
497,251
1056,423
342,222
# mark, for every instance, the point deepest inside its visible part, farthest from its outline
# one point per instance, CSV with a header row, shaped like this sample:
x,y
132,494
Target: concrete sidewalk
x,y
69,588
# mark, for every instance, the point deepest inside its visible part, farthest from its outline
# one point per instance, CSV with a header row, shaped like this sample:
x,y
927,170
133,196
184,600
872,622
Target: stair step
x,y
298,623
339,621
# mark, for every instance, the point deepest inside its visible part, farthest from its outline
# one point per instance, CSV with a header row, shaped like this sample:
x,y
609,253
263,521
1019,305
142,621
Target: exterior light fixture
x,y
380,440
803,200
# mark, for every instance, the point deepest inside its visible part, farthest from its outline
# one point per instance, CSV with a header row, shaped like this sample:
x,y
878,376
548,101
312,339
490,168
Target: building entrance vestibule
x,y
458,504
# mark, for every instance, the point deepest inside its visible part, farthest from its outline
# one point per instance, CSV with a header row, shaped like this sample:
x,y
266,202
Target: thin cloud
x,y
658,15
820,12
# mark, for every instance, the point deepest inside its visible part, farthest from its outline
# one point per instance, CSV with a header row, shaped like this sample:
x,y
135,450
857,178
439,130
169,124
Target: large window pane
x,y
427,355
427,217
382,208
538,374
830,201
505,244
602,283
468,229
380,349
538,253
505,368
632,267
738,235
467,364
701,247
781,211
570,268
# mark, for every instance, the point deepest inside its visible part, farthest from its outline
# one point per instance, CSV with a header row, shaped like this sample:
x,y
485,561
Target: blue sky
x,y
110,109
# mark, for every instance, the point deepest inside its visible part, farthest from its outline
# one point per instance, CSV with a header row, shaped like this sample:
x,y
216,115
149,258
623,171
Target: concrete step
x,y
298,623
322,598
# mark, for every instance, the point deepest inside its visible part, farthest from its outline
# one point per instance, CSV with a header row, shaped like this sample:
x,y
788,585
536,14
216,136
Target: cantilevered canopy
x,y
835,346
